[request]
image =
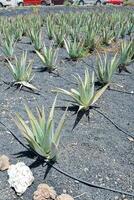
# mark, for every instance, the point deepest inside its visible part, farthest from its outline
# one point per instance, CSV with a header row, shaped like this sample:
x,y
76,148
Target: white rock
x,y
20,177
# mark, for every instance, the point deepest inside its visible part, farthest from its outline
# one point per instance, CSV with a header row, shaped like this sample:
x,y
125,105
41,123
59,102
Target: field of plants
x,y
66,101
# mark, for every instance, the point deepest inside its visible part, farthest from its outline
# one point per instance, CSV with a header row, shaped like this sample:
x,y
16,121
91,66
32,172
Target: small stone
x,y
4,163
64,197
20,177
64,191
76,181
44,192
86,169
116,198
107,178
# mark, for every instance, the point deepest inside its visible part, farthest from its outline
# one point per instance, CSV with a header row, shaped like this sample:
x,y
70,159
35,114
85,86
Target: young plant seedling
x,y
41,135
48,56
106,68
85,96
21,72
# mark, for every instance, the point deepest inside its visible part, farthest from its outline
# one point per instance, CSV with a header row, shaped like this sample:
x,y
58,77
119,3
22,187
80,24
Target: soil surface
x,y
95,150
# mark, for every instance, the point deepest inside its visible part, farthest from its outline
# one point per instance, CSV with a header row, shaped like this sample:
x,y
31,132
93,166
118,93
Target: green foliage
x,y
22,72
41,135
126,54
130,27
122,29
74,48
85,96
48,56
8,45
107,36
89,38
17,28
58,35
132,51
50,27
36,38
106,68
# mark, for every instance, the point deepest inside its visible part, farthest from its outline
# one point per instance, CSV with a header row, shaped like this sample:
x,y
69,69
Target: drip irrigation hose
x,y
112,122
88,64
124,92
14,135
90,184
68,175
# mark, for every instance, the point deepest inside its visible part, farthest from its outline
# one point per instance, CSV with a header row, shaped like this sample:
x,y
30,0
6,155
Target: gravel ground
x,y
94,150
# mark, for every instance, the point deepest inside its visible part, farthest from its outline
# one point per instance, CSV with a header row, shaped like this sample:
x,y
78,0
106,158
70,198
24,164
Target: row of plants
x,y
85,32
66,31
22,71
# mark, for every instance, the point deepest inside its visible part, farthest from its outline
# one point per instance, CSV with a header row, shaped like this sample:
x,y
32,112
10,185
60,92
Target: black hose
x,y
14,135
68,175
112,122
90,184
124,92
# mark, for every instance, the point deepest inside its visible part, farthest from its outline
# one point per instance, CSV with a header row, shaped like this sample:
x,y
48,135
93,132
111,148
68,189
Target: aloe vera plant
x,y
18,33
85,96
48,56
36,38
74,48
107,36
41,135
130,28
122,29
106,68
8,46
50,27
125,55
89,38
58,35
22,72
132,51
17,28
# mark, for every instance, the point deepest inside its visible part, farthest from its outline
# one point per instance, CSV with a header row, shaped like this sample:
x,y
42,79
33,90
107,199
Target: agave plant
x,y
85,96
74,48
41,135
106,68
48,57
126,55
22,72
